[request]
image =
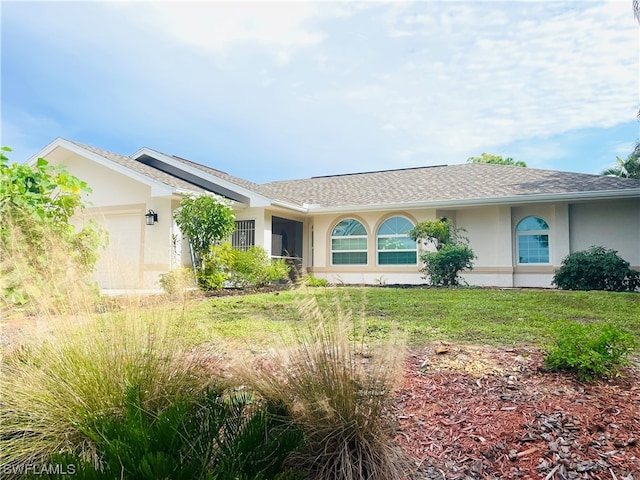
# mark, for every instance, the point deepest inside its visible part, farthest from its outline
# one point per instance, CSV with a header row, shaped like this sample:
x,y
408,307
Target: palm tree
x,y
629,168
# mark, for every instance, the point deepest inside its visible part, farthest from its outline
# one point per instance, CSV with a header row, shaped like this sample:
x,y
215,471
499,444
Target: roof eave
x,y
471,202
255,199
158,189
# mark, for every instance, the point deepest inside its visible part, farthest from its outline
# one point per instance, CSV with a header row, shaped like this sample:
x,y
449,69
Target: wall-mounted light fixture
x,y
152,217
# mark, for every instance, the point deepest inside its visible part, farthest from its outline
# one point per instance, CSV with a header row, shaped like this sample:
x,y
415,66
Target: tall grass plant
x,y
80,366
337,386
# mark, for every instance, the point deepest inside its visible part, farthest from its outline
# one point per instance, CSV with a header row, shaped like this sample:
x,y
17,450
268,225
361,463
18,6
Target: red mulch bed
x,y
483,413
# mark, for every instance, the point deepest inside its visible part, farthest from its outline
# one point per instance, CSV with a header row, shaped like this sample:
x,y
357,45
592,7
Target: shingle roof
x,y
262,189
442,183
152,173
464,182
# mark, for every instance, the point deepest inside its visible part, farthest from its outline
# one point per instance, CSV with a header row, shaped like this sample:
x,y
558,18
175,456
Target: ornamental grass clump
x,y
337,387
73,369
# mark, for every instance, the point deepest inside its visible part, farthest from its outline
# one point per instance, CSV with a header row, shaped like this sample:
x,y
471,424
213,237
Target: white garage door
x,y
119,264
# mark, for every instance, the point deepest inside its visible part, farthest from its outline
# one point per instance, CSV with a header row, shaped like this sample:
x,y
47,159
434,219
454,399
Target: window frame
x,y
396,235
532,233
244,234
341,237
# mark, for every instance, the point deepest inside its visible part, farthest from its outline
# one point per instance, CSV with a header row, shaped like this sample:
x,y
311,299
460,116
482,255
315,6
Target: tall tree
x,y
495,159
628,168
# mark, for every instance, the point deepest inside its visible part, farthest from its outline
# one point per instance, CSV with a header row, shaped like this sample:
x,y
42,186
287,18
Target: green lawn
x,y
483,316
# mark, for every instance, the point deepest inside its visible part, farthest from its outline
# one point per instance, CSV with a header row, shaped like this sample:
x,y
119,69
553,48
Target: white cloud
x,y
345,86
280,28
488,74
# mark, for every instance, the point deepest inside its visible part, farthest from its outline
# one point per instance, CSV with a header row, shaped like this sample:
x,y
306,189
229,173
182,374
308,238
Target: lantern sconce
x,y
152,217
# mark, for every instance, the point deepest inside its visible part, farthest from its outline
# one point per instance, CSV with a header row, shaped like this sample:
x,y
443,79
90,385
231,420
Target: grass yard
x,y
479,316
481,406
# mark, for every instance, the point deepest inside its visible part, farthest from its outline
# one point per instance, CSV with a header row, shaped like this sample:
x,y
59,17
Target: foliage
x,y
337,387
80,368
442,266
213,435
589,350
311,281
496,159
627,168
41,251
438,231
240,268
177,282
452,252
205,220
597,268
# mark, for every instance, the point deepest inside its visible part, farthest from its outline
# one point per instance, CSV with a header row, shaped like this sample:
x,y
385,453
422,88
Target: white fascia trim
x,y
289,206
158,189
517,199
255,199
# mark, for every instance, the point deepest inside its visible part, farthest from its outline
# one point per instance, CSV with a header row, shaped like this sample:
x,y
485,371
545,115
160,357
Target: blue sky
x,y
268,91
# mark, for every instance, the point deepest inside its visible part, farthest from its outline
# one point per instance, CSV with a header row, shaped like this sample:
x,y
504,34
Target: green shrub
x,y
254,268
177,282
442,266
597,268
337,388
589,350
43,257
452,252
224,265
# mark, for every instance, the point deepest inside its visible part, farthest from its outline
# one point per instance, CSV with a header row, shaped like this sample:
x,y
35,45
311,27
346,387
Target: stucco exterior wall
x,y
614,224
372,273
136,254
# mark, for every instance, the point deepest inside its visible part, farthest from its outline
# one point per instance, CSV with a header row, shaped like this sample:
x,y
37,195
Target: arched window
x,y
349,243
393,243
532,239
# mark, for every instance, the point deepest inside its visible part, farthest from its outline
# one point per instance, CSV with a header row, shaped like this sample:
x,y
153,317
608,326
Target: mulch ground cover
x,y
468,412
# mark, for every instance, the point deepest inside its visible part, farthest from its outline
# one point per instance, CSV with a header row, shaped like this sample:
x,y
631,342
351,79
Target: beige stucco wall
x,y
320,263
136,253
615,224
492,235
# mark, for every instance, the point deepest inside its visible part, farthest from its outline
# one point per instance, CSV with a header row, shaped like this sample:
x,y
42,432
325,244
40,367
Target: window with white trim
x,y
532,240
349,243
394,246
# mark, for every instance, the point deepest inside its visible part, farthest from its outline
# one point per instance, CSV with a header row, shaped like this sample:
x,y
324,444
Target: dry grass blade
x,y
337,386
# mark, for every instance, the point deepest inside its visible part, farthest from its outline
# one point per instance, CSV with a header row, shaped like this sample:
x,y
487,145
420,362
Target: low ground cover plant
x,y
217,435
590,351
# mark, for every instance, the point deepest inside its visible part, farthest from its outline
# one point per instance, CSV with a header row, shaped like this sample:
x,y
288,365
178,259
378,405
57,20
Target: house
x,y
521,222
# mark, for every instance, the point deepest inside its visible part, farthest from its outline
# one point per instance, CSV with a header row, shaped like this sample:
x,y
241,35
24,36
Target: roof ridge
x,y
379,171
